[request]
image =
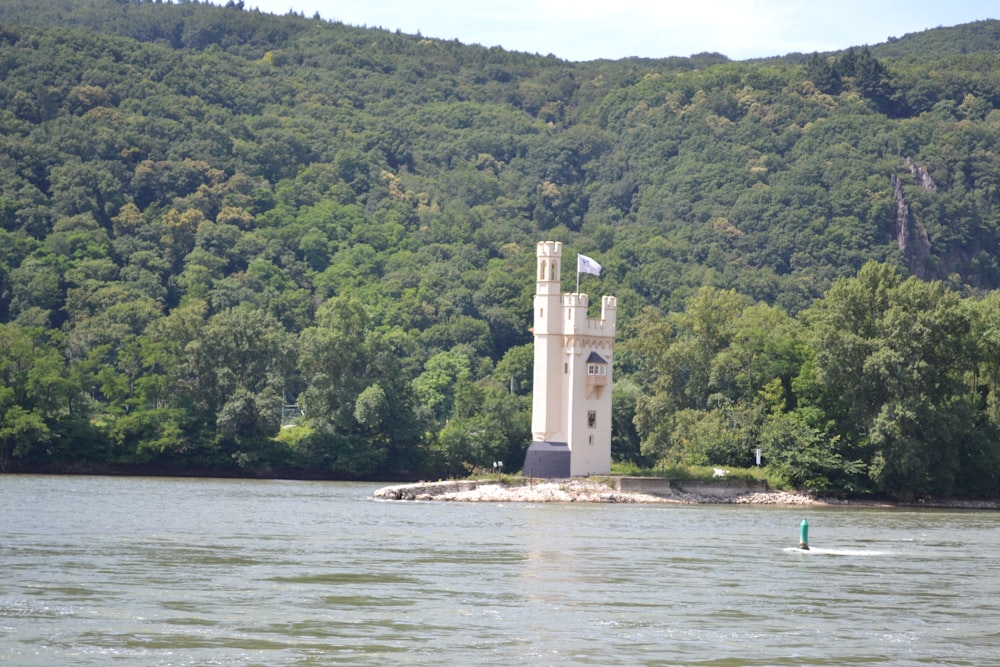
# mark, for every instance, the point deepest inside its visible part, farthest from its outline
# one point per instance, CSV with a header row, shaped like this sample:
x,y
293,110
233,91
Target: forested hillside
x,y
216,222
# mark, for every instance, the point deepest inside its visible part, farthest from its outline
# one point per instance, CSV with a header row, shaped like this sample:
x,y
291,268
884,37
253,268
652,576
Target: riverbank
x,y
610,490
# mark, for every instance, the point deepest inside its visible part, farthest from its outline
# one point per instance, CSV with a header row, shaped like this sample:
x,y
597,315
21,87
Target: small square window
x,y
591,419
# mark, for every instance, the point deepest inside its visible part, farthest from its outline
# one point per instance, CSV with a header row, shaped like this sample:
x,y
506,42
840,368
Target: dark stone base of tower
x,y
547,459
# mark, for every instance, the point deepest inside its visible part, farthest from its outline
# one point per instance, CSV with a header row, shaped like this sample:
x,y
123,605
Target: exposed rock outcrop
x,y
910,235
923,176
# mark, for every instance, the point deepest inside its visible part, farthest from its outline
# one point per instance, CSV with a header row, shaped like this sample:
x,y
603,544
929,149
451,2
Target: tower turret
x,y
548,330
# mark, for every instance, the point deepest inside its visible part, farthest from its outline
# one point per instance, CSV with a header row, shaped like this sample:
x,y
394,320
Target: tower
x,y
571,401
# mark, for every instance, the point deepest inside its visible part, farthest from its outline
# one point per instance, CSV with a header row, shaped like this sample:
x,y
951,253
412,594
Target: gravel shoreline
x,y
593,491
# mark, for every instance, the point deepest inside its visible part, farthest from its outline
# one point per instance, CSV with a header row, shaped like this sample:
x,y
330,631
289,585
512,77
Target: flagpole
x,y
578,276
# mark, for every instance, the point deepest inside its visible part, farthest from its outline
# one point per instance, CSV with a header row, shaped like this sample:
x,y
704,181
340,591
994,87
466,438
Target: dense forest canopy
x,y
217,223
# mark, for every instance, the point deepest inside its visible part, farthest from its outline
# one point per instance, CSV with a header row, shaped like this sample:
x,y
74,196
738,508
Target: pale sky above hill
x,y
593,29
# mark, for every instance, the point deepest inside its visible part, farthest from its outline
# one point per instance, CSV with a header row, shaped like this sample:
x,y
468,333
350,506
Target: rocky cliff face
x,y
923,176
910,235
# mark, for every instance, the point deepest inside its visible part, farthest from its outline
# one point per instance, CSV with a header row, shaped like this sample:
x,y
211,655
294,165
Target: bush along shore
x,y
610,490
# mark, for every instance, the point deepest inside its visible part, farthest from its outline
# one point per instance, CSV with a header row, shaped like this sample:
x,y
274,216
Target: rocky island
x,y
594,490
644,490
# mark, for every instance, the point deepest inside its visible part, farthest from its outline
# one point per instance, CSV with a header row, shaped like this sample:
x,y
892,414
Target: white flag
x,y
585,264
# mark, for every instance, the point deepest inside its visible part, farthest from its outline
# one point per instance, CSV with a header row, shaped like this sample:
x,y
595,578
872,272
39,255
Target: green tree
x,y
23,428
355,394
893,356
241,365
488,424
676,356
443,374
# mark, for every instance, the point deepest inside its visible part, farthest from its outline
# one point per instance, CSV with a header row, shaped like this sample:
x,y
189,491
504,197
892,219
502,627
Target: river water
x,y
144,571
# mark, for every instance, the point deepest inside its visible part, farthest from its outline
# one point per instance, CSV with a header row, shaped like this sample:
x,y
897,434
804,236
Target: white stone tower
x,y
571,406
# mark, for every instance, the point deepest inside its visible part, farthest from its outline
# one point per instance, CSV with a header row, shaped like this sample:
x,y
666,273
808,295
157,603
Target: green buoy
x,y
804,535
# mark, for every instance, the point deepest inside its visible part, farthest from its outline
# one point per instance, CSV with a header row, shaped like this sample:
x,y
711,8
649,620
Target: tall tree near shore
x,y
894,357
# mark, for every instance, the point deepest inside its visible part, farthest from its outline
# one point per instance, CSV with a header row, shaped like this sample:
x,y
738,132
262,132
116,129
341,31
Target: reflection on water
x,y
222,572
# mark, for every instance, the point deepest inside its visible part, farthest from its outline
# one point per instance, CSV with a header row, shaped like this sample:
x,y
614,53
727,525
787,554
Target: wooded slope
x,y
210,213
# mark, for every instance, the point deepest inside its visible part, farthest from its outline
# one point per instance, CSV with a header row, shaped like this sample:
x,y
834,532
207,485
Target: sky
x,y
592,29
